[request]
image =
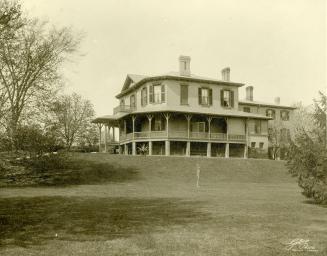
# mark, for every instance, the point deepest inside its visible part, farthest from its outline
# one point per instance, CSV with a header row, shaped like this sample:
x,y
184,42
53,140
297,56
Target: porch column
x,y
209,127
246,139
227,128
150,120
133,122
125,127
188,118
113,134
125,149
100,128
167,148
150,148
227,150
209,149
188,148
167,116
133,148
105,138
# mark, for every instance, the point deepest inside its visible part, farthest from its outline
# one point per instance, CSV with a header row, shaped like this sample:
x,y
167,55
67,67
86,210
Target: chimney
x,y
249,93
225,74
277,100
184,65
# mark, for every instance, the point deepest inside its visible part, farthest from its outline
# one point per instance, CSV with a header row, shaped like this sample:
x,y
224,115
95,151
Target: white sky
x,y
277,46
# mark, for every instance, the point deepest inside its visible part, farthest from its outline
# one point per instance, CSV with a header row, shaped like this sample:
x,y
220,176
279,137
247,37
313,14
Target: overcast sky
x,y
277,46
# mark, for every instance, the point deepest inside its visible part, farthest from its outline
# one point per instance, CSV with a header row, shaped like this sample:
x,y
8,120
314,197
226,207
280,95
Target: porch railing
x,y
183,135
123,108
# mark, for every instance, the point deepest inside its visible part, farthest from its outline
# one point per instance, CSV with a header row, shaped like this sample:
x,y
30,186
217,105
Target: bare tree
x,y
72,118
30,62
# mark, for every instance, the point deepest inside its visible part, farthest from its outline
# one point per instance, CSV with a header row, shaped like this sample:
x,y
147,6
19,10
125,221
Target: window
x,y
157,93
227,98
184,94
271,113
257,126
198,127
205,96
285,135
122,102
284,115
261,145
144,96
252,144
246,109
133,101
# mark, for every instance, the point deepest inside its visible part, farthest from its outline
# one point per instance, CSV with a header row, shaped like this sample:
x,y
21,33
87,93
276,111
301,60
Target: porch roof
x,y
109,119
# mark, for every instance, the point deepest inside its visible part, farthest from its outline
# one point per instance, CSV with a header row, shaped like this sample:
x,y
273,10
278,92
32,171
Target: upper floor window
x,y
184,94
284,115
157,93
205,96
144,96
227,98
271,113
247,109
122,102
133,101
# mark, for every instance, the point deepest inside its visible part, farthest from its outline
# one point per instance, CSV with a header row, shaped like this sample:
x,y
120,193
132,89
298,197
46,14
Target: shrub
x,y
257,153
307,156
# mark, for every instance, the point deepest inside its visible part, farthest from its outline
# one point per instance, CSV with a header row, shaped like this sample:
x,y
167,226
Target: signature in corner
x,y
300,245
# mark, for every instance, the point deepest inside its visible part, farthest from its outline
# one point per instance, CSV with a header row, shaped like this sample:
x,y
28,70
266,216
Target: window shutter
x,y
232,98
151,93
145,95
163,95
222,98
210,97
200,96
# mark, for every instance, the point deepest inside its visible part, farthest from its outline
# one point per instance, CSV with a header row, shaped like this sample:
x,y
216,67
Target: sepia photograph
x,y
148,127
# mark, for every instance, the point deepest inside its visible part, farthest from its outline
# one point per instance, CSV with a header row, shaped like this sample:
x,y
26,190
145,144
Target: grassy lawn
x,y
151,206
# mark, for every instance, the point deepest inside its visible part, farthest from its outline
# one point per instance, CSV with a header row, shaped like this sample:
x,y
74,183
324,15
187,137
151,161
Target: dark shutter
x,y
163,95
222,98
145,95
210,96
200,96
232,98
151,93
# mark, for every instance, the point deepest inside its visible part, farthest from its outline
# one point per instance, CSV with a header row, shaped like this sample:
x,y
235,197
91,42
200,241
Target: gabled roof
x,y
260,103
134,81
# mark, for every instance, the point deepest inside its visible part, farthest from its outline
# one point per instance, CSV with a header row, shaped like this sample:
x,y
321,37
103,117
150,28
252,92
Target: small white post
x,y
198,170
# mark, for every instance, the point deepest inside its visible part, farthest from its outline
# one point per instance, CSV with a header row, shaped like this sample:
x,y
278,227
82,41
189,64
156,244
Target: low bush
x,y
257,153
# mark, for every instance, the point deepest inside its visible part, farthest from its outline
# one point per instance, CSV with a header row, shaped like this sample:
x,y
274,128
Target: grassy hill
x,y
153,207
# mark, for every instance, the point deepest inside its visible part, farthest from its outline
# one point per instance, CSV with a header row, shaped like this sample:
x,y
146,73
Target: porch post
x,y
125,149
133,122
167,116
113,134
167,147
125,131
188,148
227,128
227,150
105,138
209,126
150,148
209,149
150,120
246,139
133,148
188,118
100,128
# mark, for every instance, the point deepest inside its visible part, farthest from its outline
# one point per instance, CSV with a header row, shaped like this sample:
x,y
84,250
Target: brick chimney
x,y
225,74
184,65
249,93
277,100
